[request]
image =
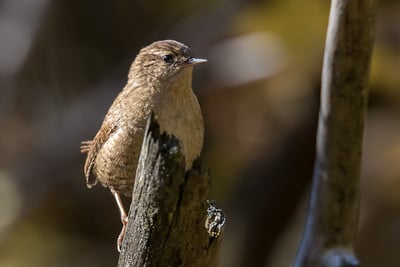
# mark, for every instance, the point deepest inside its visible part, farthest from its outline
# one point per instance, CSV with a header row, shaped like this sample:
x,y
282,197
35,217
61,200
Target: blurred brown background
x,y
62,63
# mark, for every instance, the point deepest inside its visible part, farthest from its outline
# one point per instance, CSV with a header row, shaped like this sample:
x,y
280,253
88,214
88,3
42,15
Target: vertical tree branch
x,y
334,206
170,220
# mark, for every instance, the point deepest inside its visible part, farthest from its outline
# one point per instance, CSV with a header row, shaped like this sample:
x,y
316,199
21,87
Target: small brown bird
x,y
159,81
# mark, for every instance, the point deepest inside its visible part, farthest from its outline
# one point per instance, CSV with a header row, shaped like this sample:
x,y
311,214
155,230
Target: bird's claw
x,y
124,220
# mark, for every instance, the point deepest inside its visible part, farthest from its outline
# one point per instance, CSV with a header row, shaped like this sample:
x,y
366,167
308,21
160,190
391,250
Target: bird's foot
x,y
124,220
85,146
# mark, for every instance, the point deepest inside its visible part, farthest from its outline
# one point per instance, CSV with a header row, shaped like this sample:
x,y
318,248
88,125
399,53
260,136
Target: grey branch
x,y
171,223
334,206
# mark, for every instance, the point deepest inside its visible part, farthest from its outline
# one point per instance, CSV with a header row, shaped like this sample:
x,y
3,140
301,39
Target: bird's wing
x,y
101,137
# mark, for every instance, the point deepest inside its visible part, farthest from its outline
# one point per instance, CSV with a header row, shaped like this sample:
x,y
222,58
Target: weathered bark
x,y
334,206
171,222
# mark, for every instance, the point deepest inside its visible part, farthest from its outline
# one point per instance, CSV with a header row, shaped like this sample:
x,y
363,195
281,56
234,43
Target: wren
x,y
159,81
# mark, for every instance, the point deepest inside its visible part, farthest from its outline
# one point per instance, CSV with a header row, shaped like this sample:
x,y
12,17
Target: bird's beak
x,y
194,61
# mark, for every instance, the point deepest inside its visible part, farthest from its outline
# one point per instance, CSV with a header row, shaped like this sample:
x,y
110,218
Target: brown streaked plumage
x,y
159,81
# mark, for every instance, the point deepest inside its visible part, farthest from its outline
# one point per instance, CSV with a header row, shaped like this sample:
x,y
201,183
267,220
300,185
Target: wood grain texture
x,y
169,209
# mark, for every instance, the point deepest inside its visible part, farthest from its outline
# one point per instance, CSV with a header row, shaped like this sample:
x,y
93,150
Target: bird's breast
x,y
180,115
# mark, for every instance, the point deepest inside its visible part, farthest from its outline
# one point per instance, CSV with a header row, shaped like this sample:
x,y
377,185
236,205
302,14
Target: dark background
x,y
62,63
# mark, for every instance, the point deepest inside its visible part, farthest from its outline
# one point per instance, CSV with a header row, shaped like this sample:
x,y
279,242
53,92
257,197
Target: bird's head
x,y
163,60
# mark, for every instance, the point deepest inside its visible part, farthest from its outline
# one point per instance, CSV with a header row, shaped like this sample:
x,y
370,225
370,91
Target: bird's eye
x,y
168,59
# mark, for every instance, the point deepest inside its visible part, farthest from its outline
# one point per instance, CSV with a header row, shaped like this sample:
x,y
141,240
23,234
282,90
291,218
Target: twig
x,y
334,206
